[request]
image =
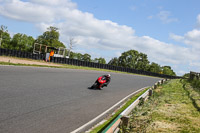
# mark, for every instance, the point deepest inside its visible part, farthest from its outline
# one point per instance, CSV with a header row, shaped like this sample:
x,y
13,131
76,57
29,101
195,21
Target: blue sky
x,y
167,31
142,15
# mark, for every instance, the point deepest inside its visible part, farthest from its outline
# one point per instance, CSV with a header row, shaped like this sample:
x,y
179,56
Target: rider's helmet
x,y
108,75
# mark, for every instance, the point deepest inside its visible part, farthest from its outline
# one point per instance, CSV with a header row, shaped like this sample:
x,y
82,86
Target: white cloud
x,y
176,37
198,21
181,73
191,38
165,17
36,11
56,3
25,11
195,66
163,52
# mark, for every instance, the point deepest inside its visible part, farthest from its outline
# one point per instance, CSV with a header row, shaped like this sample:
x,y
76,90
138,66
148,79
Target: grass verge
x,y
172,108
101,127
61,66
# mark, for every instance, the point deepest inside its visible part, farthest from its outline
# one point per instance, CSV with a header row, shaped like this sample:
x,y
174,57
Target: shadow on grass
x,y
193,100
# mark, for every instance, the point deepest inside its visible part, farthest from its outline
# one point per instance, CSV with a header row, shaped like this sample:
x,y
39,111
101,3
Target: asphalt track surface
x,y
52,100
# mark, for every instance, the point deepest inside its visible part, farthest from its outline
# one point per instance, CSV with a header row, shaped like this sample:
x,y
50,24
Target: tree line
x,y
131,58
136,60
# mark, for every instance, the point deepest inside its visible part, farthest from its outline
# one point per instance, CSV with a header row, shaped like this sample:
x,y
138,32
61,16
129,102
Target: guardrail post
x,y
125,121
162,81
150,92
159,83
155,86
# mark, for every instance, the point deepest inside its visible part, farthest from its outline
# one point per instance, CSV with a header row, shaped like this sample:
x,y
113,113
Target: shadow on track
x,y
91,88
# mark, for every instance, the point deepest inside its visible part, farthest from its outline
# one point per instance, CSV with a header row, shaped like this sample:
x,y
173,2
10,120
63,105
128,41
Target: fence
x,y
21,54
75,62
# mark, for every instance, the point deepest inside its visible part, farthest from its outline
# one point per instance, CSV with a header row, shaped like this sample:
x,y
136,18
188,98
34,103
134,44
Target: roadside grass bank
x,y
195,83
112,117
174,107
60,66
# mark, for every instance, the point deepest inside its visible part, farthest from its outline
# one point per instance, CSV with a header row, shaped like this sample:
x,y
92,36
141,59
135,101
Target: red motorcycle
x,y
98,83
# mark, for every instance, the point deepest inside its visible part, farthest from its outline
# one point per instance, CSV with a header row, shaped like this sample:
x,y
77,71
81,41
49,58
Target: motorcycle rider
x,y
106,78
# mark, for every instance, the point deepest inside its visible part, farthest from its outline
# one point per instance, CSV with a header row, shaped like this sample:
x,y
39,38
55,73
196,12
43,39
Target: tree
x,y
100,60
72,55
50,38
129,59
133,59
142,62
5,42
155,68
86,57
78,56
4,37
22,42
113,61
168,71
71,45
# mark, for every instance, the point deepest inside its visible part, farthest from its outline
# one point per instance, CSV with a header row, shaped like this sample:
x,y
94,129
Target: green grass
x,y
20,64
62,66
101,127
172,108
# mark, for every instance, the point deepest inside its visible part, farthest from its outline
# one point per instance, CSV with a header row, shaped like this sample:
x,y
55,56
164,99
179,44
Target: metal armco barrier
x,y
106,66
22,54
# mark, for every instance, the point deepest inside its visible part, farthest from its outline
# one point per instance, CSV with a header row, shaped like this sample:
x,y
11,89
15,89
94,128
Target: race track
x,y
51,100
